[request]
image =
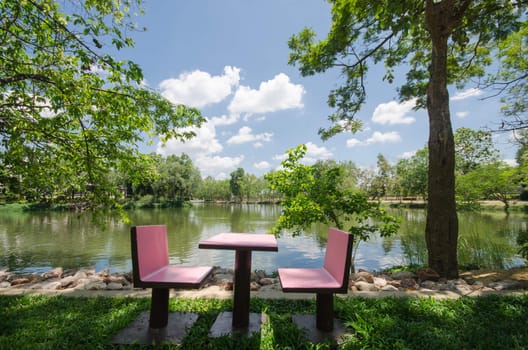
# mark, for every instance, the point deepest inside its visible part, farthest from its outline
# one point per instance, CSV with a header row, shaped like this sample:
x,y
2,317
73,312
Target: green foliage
x,y
315,194
411,174
494,181
417,323
512,78
236,183
473,148
71,112
522,241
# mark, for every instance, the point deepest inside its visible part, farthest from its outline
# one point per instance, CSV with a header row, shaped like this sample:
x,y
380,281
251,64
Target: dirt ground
x,y
487,276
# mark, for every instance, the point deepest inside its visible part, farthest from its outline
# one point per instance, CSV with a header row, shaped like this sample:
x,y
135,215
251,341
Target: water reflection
x,y
35,242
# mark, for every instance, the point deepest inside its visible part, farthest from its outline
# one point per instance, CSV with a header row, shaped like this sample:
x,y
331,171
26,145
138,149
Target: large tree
x,y
70,110
439,43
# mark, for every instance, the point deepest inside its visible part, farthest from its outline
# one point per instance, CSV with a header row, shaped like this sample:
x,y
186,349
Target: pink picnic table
x,y
243,244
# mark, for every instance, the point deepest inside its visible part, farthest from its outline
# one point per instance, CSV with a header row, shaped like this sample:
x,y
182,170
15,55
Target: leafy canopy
x,y
395,34
70,111
316,194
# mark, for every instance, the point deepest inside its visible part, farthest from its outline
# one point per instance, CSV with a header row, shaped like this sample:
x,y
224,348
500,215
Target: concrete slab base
x,y
308,325
223,325
139,332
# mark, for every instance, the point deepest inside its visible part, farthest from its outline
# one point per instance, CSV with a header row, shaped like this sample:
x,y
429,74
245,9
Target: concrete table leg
x,y
159,308
325,311
241,289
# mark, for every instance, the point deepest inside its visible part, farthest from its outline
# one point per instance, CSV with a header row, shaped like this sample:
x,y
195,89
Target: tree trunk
x,y
441,231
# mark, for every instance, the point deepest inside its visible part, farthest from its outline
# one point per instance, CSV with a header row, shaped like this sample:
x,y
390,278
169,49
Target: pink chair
x,y
325,281
151,269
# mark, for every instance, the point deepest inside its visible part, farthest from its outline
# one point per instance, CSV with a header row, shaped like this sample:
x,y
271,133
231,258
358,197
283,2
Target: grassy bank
x,y
493,322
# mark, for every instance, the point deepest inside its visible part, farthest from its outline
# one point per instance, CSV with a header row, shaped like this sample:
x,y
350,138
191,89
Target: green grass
x,y
492,322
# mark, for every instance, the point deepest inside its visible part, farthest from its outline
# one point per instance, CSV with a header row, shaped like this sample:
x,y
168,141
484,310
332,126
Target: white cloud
x,y
510,162
280,157
216,165
393,113
407,155
315,153
203,150
318,152
466,94
204,143
272,95
377,137
353,142
198,88
462,115
245,135
387,137
262,165
225,120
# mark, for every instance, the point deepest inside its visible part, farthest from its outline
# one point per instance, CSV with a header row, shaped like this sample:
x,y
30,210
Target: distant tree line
x,y
174,180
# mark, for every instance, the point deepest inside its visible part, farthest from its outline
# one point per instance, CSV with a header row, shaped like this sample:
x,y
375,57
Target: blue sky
x,y
230,59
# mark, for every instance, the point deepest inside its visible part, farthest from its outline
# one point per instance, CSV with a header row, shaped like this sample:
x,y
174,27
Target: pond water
x,y
37,242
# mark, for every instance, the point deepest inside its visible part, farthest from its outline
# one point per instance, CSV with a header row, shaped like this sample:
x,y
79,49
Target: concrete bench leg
x,y
159,308
325,311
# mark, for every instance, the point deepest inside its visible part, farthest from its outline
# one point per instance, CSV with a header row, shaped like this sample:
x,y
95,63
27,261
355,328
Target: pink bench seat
x,y
323,281
151,269
307,280
178,276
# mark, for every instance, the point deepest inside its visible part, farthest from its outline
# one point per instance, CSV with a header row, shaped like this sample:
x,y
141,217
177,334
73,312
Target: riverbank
x,y
86,282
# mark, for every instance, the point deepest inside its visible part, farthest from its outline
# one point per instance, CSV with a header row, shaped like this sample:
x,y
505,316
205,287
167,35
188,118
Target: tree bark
x,y
441,231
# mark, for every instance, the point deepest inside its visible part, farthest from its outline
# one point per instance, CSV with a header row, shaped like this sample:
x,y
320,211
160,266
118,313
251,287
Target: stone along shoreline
x,y
424,280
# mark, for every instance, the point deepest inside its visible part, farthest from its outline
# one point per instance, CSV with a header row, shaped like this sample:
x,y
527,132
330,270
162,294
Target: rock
x,y
227,285
51,285
115,279
5,284
442,286
379,282
389,288
267,281
67,281
463,289
20,281
261,274
395,283
223,277
477,285
55,273
254,286
365,286
270,287
506,285
427,275
95,285
4,275
220,271
114,286
409,283
363,276
402,275
80,275
429,285
80,283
